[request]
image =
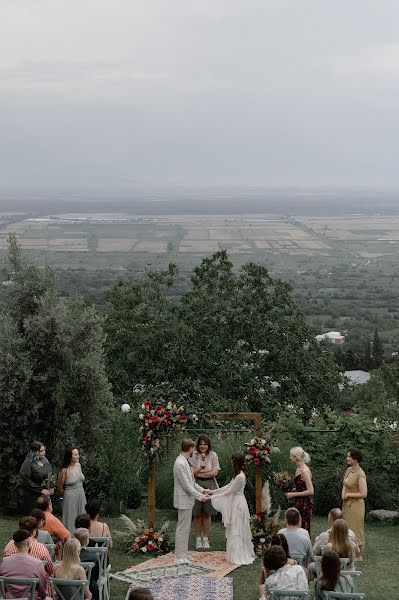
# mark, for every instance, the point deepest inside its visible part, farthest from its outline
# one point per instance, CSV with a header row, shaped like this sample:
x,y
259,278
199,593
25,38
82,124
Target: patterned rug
x,y
207,564
189,588
155,573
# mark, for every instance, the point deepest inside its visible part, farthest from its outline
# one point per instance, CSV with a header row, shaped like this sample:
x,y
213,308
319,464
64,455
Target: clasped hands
x,y
206,495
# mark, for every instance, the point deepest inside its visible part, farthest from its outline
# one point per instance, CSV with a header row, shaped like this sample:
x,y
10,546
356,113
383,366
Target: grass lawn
x,y
379,566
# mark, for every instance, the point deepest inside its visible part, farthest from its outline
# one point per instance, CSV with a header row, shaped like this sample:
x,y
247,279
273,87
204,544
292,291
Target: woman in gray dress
x,y
70,487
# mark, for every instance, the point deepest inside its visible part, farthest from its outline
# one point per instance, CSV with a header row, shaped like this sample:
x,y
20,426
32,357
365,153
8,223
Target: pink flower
x,y
256,462
252,451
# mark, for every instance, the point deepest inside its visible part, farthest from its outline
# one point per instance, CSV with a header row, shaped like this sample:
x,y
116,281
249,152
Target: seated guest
x,y
36,549
330,579
339,541
278,539
22,564
70,568
280,575
297,538
140,594
322,539
97,529
82,535
51,524
43,537
82,520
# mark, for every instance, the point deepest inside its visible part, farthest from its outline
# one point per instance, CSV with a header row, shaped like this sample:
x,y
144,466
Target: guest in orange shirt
x,y
53,525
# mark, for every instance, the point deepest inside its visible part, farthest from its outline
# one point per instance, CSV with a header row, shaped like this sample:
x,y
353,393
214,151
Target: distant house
x,y
334,337
357,377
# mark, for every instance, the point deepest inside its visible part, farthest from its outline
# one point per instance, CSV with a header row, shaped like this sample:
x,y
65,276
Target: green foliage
x,y
235,341
53,385
328,448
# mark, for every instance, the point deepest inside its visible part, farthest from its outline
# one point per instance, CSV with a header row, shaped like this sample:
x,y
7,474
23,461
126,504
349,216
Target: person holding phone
x,y
206,468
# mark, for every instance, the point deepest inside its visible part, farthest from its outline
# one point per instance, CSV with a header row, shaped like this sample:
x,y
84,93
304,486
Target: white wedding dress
x,y
231,502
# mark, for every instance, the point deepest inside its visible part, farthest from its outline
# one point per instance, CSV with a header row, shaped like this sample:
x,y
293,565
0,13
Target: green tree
x,y
235,341
53,384
378,351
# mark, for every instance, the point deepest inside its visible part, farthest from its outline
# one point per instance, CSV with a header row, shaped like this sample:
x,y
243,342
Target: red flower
x,y
158,408
252,450
154,419
183,419
150,546
256,461
147,438
147,405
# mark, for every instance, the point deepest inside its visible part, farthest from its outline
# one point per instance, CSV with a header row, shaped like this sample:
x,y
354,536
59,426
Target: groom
x,y
186,490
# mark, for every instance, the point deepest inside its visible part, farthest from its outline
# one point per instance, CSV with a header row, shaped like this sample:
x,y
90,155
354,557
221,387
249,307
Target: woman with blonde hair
x,y
303,490
69,567
339,542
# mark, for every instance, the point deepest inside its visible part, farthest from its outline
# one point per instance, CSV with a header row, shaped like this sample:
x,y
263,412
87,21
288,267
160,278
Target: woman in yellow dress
x,y
354,491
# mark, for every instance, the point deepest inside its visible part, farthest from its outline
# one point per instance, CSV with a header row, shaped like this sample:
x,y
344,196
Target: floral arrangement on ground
x,y
263,527
138,538
160,420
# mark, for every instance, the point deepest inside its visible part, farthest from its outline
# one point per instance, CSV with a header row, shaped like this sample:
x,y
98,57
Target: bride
x,y
231,502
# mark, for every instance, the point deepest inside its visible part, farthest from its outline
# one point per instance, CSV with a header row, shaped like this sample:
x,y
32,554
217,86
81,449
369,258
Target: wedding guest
x,y
22,564
339,541
278,539
140,594
297,538
83,521
52,524
36,549
303,490
43,537
70,487
185,491
330,579
36,473
70,568
231,502
322,539
82,535
280,575
354,492
97,528
206,468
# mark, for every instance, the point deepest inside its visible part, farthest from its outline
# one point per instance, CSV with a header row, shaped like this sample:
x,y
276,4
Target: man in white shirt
x,y
186,490
322,539
297,538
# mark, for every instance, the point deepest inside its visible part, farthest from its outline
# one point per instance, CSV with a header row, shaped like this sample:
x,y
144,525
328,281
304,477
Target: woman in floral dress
x,y
303,490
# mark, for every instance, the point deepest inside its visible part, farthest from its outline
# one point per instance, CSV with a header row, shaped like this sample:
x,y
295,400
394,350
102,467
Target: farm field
x,y
369,237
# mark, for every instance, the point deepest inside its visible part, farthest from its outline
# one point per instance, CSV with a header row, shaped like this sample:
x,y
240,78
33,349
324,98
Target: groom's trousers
x,y
183,532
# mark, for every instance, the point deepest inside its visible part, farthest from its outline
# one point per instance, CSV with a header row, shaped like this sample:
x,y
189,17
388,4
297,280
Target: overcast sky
x,y
257,92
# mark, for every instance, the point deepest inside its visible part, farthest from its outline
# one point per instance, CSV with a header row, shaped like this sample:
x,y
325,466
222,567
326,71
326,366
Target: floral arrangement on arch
x,y
160,420
140,539
258,451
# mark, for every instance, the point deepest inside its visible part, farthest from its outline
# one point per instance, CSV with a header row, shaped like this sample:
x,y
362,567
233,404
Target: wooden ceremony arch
x,y
256,419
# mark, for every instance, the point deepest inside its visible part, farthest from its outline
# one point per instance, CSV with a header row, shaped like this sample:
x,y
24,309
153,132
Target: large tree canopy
x,y
53,384
236,340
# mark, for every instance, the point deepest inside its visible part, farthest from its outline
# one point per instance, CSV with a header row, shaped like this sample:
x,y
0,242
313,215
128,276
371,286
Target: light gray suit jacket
x,y
186,490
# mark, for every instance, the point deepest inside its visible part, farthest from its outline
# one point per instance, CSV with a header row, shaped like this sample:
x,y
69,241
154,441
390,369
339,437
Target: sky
x,y
109,93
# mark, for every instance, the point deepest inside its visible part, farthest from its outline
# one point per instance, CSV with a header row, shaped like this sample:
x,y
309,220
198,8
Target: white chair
x,y
13,586
275,594
355,577
344,562
343,596
99,541
51,550
103,580
88,567
67,589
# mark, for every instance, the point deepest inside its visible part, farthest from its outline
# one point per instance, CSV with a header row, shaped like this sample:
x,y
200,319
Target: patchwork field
x,y
364,237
